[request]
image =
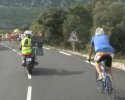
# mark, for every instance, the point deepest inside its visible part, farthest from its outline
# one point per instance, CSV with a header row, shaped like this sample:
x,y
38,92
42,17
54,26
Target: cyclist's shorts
x,y
104,56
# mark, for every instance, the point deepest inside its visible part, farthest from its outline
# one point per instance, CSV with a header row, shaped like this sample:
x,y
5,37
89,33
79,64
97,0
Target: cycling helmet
x,y
99,31
27,32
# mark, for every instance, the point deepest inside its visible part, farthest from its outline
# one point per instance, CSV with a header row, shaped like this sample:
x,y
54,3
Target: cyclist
x,y
103,49
26,46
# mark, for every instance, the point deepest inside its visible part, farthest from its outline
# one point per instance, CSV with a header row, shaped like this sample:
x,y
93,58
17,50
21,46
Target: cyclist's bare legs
x,y
98,70
109,69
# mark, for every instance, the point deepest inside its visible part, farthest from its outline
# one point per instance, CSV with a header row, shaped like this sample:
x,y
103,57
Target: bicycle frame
x,y
105,86
107,80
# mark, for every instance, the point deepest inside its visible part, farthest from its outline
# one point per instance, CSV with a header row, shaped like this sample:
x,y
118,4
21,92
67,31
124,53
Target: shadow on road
x,y
120,94
51,72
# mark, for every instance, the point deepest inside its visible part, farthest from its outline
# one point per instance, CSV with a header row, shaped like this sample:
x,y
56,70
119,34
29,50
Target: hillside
x,y
14,17
16,13
43,3
37,3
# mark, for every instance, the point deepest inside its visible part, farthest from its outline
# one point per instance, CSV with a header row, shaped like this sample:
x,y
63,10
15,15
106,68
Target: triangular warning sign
x,y
73,37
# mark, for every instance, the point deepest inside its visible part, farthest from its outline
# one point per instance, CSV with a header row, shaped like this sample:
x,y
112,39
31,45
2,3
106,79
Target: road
x,y
59,76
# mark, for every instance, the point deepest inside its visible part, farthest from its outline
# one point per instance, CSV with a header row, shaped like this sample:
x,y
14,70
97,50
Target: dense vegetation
x,y
58,18
58,23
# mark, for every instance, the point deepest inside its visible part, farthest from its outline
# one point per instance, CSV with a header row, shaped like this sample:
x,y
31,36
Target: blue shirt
x,y
101,43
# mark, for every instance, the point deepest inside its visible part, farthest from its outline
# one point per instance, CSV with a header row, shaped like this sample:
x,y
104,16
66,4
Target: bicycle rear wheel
x,y
110,90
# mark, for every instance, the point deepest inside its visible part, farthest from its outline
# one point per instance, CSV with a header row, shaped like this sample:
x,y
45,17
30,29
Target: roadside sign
x,y
37,41
73,37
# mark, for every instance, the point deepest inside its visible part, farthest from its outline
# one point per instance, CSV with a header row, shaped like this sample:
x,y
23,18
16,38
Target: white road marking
x,y
65,53
46,48
29,76
122,68
10,48
91,63
59,51
29,93
5,45
19,53
14,50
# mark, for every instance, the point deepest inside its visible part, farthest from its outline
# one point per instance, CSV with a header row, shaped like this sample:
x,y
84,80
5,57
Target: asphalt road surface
x,y
59,76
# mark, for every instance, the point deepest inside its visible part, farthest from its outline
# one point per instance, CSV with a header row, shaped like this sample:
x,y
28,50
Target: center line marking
x,y
65,53
29,76
29,93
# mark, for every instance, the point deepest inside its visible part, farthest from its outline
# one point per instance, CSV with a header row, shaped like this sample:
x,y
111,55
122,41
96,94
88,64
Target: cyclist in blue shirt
x,y
101,45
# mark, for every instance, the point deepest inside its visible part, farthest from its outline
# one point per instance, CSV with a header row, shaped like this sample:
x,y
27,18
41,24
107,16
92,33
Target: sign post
x,y
73,39
73,46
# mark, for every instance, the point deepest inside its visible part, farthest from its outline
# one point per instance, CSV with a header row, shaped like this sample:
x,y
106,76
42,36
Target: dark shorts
x,y
107,59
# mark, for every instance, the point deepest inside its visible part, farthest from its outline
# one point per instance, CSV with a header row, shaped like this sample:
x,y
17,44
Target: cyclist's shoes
x,y
100,78
110,89
89,60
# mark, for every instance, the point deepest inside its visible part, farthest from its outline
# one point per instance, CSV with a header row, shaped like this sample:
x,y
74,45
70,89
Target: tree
x,y
111,16
52,21
36,27
78,19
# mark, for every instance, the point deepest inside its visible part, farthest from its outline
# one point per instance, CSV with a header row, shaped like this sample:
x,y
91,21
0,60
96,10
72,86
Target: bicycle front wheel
x,y
110,90
99,83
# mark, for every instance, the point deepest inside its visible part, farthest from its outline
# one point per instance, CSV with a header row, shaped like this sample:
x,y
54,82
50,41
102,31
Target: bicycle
x,y
106,86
